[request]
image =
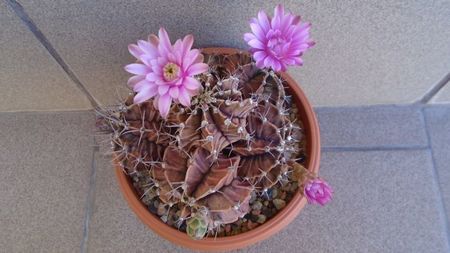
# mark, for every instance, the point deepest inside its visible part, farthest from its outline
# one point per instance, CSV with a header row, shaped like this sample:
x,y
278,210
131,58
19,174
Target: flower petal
x,y
259,55
135,51
263,21
256,44
257,30
145,94
153,39
164,105
249,36
163,89
148,48
191,83
184,97
142,85
173,92
188,41
197,68
164,41
133,80
137,69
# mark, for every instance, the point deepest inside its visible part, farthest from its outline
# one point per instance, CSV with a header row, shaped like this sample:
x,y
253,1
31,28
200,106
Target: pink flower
x,y
279,41
318,191
165,71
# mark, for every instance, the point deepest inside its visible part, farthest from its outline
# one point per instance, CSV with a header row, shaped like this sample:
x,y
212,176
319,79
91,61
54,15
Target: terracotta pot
x,y
272,226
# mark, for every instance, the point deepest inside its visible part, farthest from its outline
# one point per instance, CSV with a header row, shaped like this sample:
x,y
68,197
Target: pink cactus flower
x,y
165,71
279,41
318,191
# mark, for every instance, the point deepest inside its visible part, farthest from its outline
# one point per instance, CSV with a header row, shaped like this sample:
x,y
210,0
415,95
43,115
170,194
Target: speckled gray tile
x,y
113,225
383,202
45,160
29,77
443,96
377,207
372,127
438,123
367,52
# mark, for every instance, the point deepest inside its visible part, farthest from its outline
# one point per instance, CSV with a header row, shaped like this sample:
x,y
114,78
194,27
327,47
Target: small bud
x,y
204,123
227,122
209,138
227,102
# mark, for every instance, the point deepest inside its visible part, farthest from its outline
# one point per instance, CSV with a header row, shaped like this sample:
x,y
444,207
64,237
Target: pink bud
x,y
317,191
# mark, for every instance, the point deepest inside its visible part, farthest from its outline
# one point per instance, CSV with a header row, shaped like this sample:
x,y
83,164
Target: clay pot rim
x,y
273,225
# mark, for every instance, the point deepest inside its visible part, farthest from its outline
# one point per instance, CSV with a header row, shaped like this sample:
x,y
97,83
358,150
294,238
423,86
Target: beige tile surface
x,y
367,52
29,77
113,225
45,163
376,208
443,96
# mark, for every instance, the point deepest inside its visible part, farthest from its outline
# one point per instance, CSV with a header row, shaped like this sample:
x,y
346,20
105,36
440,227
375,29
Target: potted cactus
x,y
218,148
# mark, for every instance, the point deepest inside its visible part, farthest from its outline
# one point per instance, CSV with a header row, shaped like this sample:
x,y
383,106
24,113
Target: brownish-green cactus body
x,y
238,136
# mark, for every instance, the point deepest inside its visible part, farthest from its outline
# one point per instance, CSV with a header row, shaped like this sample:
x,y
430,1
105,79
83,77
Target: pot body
x,y
272,226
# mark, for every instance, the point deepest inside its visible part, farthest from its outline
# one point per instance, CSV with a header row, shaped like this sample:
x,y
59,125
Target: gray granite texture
x,y
367,52
443,96
58,191
372,127
438,124
45,163
30,79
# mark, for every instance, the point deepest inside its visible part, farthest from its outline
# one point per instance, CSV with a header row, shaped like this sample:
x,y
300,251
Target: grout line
x,y
48,112
430,94
89,200
374,148
441,205
20,12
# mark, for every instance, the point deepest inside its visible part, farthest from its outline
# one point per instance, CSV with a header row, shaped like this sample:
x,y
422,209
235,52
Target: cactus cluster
x,y
238,136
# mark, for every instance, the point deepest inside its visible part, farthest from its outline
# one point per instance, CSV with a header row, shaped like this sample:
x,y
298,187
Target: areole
x,y
272,226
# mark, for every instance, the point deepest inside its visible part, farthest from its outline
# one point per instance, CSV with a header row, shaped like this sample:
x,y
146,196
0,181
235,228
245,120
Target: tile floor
x,y
389,166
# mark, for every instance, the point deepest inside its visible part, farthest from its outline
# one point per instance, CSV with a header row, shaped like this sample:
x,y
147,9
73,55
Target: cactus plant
x,y
238,136
230,135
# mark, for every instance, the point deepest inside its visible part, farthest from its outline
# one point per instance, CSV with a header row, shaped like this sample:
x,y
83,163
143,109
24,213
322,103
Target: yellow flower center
x,y
170,71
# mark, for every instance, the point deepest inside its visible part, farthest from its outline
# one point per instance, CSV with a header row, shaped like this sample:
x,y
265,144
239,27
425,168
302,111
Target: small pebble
x,y
274,193
228,228
266,203
252,197
254,218
161,210
256,212
257,205
279,203
261,219
283,195
251,225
